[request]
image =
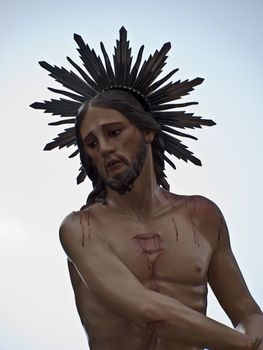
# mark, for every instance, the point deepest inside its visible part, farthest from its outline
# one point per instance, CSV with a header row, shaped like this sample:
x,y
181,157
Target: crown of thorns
x,y
141,82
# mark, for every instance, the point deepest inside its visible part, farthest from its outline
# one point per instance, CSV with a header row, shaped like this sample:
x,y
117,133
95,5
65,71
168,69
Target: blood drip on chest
x,y
151,247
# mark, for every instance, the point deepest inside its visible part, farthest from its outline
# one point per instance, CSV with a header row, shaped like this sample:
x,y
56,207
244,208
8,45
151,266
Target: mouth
x,y
112,164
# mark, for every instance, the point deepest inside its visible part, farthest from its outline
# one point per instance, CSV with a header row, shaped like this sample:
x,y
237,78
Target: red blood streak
x,y
84,217
153,327
176,230
149,242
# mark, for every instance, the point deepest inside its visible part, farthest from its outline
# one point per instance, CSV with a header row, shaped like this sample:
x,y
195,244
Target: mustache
x,y
124,182
119,157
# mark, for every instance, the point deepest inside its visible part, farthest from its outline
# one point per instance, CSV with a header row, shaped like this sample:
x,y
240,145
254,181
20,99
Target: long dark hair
x,y
125,103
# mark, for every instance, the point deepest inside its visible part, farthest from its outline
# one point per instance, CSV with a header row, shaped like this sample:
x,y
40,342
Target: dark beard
x,y
124,182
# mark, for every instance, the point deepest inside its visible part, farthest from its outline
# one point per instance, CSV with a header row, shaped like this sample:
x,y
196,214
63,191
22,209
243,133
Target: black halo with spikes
x,y
141,82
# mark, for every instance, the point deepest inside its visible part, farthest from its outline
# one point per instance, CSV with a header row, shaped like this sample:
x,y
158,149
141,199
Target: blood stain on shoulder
x,y
84,220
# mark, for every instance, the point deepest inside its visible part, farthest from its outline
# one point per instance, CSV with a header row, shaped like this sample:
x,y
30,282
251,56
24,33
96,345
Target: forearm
x,y
252,325
171,319
164,315
114,284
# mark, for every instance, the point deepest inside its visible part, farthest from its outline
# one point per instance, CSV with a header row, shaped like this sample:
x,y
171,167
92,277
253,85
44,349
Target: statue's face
x,y
115,147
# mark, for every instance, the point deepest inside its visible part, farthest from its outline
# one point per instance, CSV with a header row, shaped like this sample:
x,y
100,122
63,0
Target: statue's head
x,y
112,127
134,89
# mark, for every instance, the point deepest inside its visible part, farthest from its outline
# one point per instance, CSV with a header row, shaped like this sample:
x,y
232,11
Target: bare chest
x,y
166,250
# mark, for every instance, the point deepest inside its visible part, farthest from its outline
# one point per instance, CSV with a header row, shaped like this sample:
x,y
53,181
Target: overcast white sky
x,y
218,40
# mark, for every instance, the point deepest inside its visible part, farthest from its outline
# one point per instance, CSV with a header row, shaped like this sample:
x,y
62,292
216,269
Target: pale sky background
x,y
218,40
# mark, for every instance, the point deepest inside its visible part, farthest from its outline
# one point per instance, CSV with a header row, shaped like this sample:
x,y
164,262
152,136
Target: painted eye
x,y
92,144
114,132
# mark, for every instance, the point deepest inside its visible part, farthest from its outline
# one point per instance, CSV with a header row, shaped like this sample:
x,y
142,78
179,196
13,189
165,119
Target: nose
x,y
105,147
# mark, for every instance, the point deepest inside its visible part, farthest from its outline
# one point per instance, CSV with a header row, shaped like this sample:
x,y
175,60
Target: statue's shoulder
x,y
70,226
206,213
75,218
72,231
200,205
74,223
203,205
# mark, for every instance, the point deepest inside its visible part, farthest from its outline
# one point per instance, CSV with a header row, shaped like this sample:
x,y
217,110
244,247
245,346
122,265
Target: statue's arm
x,y
121,291
229,286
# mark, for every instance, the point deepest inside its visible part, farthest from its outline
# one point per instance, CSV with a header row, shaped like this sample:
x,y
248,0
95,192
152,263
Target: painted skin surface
x,y
139,265
161,263
170,263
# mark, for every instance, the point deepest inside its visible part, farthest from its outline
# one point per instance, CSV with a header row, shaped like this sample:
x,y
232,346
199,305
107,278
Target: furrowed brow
x,y
112,125
105,126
